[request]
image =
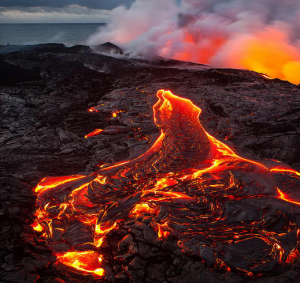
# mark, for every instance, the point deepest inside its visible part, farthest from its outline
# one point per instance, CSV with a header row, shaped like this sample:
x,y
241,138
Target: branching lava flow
x,y
195,188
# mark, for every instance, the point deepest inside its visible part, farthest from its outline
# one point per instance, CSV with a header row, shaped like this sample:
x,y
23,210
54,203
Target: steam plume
x,y
259,35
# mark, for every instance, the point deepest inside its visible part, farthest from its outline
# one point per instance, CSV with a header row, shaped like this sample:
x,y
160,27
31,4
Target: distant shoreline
x,y
41,33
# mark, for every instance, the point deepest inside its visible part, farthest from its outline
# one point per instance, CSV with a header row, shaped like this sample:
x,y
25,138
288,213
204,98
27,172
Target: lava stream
x,y
219,206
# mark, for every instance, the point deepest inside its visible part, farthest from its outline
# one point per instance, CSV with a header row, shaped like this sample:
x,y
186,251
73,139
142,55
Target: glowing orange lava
x,y
285,197
189,185
267,77
94,133
92,109
115,114
88,262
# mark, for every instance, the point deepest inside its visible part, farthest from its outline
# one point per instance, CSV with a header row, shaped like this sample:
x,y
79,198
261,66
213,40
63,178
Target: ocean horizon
x,y
36,33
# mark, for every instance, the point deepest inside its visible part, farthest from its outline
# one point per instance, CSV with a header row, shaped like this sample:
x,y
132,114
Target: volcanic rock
x,y
44,119
107,48
11,74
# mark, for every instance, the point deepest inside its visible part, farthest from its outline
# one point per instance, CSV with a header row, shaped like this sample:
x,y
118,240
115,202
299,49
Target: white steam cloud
x,y
261,35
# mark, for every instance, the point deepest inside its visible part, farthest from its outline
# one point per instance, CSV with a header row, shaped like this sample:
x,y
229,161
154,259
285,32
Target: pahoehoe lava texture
x,y
43,124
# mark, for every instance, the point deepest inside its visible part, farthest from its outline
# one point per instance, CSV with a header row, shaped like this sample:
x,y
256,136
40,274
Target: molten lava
x,y
88,262
195,188
94,133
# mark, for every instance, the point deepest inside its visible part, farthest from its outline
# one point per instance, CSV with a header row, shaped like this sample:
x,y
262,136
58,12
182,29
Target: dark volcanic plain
x,y
45,91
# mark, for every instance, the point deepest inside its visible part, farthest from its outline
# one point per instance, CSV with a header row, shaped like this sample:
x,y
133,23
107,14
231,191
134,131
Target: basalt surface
x,y
44,100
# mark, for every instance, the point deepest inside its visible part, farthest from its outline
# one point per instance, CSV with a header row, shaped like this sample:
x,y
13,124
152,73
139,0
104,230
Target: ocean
x,y
24,34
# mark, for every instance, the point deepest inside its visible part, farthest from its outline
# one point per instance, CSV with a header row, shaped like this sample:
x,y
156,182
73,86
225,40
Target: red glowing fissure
x,y
187,168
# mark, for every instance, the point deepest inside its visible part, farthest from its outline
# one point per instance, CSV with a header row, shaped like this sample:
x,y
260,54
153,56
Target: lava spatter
x,y
227,210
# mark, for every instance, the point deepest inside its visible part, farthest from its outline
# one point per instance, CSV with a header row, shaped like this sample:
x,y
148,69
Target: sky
x,y
58,11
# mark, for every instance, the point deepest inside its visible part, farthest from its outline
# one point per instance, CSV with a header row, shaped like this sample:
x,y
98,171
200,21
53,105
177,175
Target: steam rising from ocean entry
x,y
258,35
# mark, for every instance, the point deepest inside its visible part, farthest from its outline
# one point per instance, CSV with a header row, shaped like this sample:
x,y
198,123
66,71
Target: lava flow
x,y
94,133
227,210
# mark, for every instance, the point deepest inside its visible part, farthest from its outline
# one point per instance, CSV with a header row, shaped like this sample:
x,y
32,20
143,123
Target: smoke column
x,y
259,35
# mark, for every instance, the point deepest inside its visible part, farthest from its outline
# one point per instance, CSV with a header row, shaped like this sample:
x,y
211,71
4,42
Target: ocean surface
x,y
24,34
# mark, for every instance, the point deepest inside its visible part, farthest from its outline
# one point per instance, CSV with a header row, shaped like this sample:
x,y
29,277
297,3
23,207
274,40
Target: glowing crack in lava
x,y
227,210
